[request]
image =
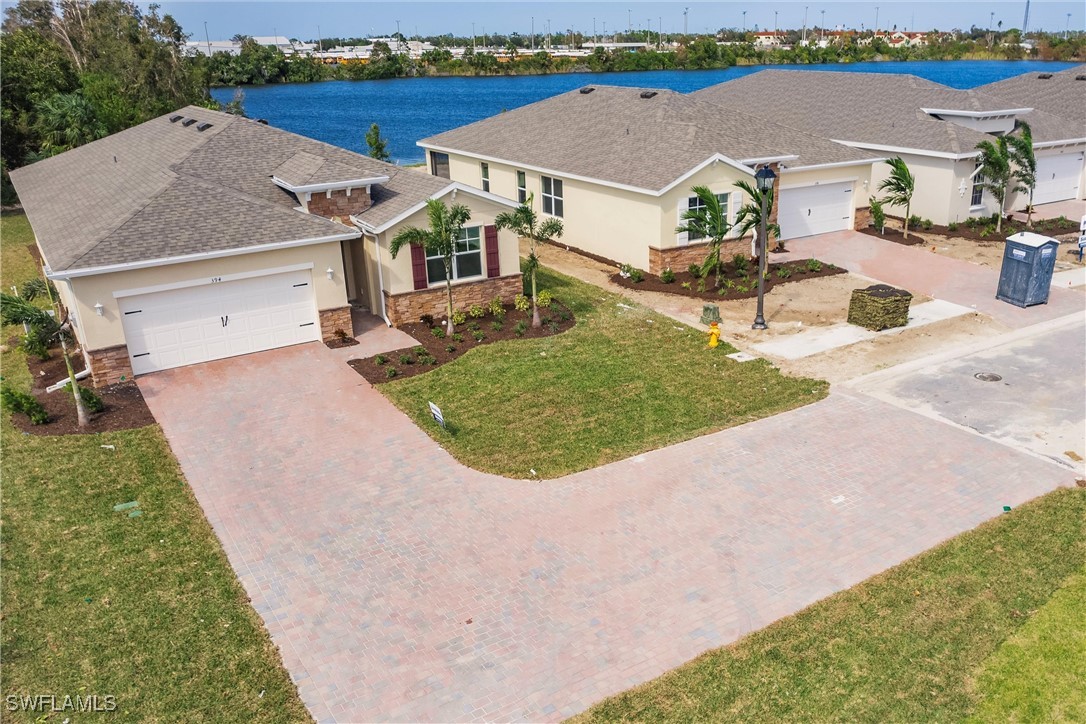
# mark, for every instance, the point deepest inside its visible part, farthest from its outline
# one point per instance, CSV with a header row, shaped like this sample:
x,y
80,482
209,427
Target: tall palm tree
x,y
446,223
749,216
1025,164
899,186
997,173
524,223
708,221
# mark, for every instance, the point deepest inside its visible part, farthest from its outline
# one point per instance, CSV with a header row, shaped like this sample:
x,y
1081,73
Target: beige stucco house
x,y
617,166
200,235
933,128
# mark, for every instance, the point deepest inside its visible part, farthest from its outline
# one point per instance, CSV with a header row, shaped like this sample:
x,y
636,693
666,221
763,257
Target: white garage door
x,y
196,324
810,210
1057,178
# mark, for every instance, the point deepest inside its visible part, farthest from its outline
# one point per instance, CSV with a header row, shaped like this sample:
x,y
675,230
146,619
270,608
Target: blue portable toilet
x,y
1028,262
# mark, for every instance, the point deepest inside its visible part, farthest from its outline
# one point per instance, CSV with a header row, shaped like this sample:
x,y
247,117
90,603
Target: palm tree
x,y
749,216
65,121
523,222
1025,163
899,186
708,221
997,173
446,223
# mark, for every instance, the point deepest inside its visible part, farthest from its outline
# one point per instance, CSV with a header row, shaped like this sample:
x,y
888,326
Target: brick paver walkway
x,y
921,272
401,586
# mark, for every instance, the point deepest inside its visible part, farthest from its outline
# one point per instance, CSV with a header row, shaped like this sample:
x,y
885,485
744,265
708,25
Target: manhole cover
x,y
988,377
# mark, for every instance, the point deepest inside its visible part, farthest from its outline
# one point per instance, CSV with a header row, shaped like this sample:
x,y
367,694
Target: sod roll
x,y
879,307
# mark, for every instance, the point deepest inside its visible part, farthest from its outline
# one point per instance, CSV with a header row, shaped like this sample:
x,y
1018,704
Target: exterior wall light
x,y
330,272
99,309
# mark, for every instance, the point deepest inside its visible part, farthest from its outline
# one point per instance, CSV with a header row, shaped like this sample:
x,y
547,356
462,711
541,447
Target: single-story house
x,y
933,128
617,166
200,235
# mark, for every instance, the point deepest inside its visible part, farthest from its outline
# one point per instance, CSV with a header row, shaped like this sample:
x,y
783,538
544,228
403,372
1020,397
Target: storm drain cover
x,y
988,377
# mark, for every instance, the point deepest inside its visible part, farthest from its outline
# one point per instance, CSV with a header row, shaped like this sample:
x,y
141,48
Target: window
x,y
553,202
978,191
467,259
522,187
485,170
694,204
439,164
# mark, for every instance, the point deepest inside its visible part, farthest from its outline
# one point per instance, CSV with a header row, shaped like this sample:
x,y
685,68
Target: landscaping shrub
x,y
814,265
729,284
24,403
632,273
495,307
915,221
563,315
406,359
520,329
685,285
341,335
450,348
701,285
391,372
545,299
380,360
878,215
438,332
479,335
667,276
474,327
521,303
457,337
927,224
952,226
458,317
741,288
783,272
741,262
694,270
553,327
34,345
475,311
496,325
427,319
91,401
721,291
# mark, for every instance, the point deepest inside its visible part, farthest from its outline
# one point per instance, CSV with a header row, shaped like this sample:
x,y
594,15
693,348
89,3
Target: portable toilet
x,y
1028,262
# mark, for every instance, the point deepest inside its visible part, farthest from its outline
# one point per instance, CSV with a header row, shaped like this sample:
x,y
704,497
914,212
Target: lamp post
x,y
764,177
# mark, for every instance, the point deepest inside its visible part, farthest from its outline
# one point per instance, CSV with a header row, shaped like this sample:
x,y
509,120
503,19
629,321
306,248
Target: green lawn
x,y
145,609
623,381
905,645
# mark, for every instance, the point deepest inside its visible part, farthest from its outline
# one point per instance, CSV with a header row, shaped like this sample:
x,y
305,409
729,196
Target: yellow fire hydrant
x,y
714,335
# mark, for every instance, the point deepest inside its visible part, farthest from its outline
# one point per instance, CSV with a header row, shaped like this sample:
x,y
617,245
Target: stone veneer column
x,y
109,365
333,319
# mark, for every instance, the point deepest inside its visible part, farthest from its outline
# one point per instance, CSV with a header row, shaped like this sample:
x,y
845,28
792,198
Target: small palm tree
x,y
708,221
446,223
1025,163
997,173
899,186
749,216
65,121
524,223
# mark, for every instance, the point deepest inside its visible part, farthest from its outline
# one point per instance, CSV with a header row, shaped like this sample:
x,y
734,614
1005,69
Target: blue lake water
x,y
408,109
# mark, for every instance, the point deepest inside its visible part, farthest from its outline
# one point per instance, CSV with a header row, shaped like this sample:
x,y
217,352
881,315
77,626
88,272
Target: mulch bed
x,y
125,407
1047,227
556,319
798,271
340,342
895,235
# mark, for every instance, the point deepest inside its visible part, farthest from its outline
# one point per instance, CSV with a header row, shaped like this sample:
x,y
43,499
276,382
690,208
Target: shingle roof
x,y
405,189
614,134
162,189
873,108
1061,95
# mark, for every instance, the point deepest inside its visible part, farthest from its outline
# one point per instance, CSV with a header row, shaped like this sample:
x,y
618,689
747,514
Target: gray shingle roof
x,y
406,188
161,190
1061,95
615,135
881,109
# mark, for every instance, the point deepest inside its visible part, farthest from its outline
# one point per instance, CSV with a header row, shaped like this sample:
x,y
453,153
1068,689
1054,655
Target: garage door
x,y
810,210
211,321
1058,178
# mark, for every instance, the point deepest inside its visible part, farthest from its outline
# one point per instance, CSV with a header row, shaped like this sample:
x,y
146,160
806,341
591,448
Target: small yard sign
x,y
436,412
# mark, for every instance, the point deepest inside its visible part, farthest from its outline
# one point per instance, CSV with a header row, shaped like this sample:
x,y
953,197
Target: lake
x,y
408,109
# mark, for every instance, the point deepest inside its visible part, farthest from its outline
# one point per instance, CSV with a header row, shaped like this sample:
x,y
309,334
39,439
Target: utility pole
x,y
685,11
1025,21
320,41
208,39
744,22
991,17
660,35
1067,28
775,26
876,21
549,44
804,25
595,38
823,28
473,37
629,22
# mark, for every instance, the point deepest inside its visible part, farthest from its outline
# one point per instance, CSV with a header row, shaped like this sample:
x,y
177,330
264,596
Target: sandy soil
x,y
990,253
790,308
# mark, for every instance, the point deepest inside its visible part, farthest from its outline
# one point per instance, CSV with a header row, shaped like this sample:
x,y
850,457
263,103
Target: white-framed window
x,y
694,203
484,171
467,260
977,197
553,202
439,164
522,187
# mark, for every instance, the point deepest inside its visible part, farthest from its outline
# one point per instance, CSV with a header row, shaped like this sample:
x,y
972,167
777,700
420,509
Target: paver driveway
x,y
401,586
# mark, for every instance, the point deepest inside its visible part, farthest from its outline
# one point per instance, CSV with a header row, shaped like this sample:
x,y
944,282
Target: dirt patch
x,y
736,282
340,342
435,348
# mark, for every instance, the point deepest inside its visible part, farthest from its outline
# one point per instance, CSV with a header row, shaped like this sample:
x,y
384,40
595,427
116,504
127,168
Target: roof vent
x,y
262,121
175,119
203,126
648,94
586,90
1044,76
188,122
1080,77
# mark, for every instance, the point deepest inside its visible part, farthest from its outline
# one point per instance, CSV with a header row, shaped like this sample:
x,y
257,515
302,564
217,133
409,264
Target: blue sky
x,y
301,19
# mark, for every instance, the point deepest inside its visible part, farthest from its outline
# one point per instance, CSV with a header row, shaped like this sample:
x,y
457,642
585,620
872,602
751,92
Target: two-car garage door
x,y
219,319
810,210
1058,178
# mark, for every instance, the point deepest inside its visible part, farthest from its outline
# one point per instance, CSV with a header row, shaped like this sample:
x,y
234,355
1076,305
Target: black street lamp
x,y
764,177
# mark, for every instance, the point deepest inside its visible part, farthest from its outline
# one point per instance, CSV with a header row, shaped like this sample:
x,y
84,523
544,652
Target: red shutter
x,y
418,266
493,263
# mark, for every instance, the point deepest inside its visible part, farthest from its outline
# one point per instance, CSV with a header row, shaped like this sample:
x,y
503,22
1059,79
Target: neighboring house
x,y
617,165
200,235
935,129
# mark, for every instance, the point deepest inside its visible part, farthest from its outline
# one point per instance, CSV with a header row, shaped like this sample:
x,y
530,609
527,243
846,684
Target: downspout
x,y
380,279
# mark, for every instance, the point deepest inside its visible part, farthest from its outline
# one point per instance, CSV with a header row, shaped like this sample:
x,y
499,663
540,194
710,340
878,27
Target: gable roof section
x,y
615,135
163,190
874,109
1061,95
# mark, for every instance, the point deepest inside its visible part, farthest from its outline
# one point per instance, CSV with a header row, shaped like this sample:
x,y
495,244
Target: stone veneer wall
x,y
109,365
338,203
409,306
863,218
333,319
680,257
